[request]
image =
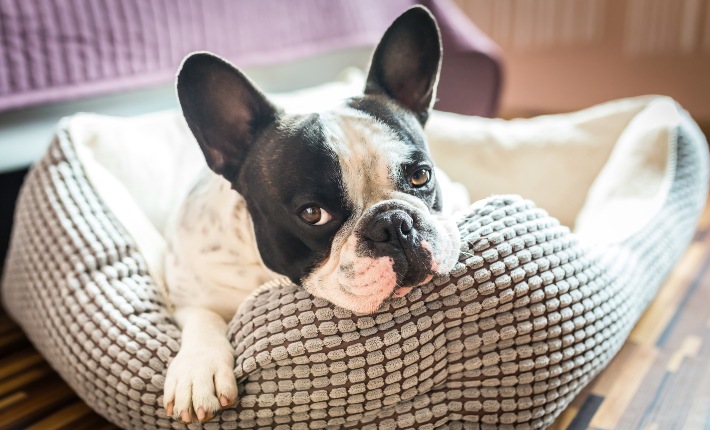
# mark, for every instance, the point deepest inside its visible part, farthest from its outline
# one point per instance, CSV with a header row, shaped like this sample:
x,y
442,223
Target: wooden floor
x,y
660,379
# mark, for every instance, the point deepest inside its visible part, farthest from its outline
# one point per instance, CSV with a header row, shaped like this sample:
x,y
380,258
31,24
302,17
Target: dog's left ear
x,y
406,63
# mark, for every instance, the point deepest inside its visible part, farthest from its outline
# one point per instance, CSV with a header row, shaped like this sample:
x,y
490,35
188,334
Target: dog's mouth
x,y
403,291
386,277
421,265
414,265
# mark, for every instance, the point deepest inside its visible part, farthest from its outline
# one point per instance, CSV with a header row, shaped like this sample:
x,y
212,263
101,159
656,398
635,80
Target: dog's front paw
x,y
199,383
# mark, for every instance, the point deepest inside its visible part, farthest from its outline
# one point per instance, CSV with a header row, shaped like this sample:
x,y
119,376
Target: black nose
x,y
389,226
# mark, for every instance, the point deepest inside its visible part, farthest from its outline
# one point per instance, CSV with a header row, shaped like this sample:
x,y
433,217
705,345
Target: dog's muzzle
x,y
396,231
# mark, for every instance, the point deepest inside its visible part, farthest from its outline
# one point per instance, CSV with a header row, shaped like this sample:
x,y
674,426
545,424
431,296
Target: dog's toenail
x,y
223,400
185,416
201,414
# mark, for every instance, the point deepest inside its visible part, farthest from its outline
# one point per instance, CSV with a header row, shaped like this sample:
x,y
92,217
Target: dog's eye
x,y
315,215
420,178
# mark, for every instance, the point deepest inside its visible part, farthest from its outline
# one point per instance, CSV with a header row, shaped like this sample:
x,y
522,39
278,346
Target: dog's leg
x,y
200,379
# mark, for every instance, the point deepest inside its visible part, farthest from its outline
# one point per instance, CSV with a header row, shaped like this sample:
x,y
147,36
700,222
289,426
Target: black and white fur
x,y
241,224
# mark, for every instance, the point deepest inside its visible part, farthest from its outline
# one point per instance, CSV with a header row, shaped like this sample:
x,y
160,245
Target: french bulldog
x,y
345,202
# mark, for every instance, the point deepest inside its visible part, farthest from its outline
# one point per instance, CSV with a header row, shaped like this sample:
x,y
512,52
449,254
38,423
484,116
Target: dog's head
x,y
344,201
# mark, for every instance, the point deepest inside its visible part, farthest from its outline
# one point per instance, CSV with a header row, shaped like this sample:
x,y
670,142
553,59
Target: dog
x,y
345,202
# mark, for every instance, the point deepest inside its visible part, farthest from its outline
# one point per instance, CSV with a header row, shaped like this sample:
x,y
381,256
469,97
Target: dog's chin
x,y
365,292
361,302
360,287
368,301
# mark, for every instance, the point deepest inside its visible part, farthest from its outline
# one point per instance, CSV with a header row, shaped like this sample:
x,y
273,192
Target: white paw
x,y
199,383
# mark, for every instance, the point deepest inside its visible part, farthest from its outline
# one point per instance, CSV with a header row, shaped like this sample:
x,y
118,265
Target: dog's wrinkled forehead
x,y
368,153
371,143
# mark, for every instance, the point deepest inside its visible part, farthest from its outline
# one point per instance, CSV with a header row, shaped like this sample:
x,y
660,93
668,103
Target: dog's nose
x,y
389,226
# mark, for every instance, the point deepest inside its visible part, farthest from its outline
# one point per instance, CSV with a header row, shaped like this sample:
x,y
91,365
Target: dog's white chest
x,y
212,259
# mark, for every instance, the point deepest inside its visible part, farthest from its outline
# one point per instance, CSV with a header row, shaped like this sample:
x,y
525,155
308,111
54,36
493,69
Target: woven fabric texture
x,y
522,323
53,51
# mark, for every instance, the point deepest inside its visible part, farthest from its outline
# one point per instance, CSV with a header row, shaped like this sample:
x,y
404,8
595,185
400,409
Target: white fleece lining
x,y
633,184
603,169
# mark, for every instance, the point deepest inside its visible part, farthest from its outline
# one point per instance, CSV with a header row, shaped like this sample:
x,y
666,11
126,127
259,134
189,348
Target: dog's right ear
x,y
405,65
224,110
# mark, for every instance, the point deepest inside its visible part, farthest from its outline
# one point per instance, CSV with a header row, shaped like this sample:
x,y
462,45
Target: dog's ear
x,y
223,109
406,63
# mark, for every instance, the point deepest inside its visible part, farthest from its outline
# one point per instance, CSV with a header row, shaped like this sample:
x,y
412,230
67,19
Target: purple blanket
x,y
57,50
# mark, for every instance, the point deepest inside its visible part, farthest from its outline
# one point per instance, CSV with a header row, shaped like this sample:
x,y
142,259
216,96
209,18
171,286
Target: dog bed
x,y
547,289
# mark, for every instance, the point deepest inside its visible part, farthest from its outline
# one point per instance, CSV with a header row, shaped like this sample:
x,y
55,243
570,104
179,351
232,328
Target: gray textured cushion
x,y
523,322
